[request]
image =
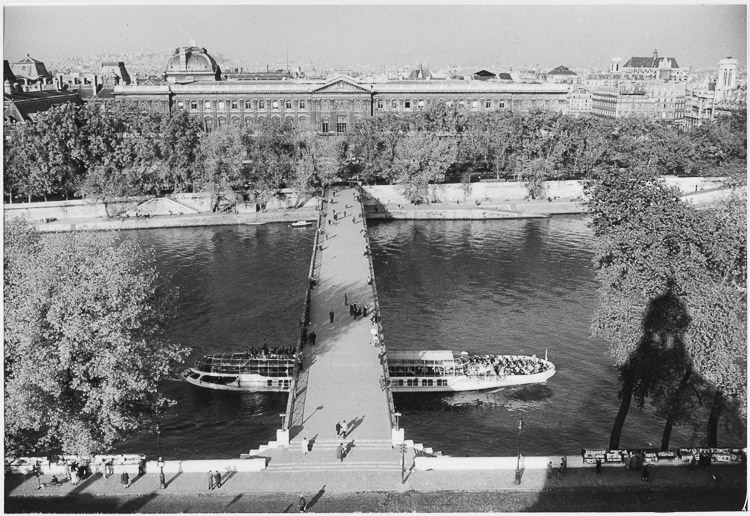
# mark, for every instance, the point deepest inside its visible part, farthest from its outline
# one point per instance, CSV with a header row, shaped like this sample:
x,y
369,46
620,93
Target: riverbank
x,y
670,488
434,211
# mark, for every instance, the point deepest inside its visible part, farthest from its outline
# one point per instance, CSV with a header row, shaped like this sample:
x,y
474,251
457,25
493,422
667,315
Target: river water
x,y
506,286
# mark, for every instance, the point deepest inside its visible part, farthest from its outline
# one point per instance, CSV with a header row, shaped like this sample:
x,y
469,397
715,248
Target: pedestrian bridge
x,y
344,375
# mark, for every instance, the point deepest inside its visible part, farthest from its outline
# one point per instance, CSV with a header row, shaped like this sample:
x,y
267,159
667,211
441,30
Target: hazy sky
x,y
375,34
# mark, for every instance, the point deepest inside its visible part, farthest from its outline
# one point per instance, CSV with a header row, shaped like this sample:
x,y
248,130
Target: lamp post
x,y
518,461
158,437
398,415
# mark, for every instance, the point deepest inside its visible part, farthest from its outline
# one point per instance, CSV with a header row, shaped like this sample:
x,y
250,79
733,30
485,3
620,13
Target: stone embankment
x,y
477,201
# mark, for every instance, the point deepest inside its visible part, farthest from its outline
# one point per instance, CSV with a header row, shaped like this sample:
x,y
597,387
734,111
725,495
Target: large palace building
x,y
194,82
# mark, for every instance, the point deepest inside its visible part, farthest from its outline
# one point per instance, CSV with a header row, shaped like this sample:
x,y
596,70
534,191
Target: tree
x,y
421,159
84,341
179,144
649,242
221,157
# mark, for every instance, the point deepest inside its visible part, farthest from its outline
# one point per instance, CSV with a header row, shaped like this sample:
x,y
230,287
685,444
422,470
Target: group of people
x,y
266,352
560,470
342,428
356,310
505,364
214,480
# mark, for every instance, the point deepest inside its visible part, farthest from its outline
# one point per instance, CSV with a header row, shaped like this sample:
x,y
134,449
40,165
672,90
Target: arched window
x,y
206,104
262,104
420,105
236,121
221,105
180,104
302,104
235,105
380,104
208,124
289,120
222,121
288,104
394,104
248,120
248,104
193,105
275,105
302,120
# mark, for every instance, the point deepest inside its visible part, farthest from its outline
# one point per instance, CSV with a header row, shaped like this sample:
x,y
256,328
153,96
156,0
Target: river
x,y
504,286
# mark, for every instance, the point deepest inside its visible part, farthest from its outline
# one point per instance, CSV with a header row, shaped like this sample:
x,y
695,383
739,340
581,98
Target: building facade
x,y
658,101
330,106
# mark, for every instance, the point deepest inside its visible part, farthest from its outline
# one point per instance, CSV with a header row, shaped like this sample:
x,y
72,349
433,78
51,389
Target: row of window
x,y
425,383
420,104
234,105
275,105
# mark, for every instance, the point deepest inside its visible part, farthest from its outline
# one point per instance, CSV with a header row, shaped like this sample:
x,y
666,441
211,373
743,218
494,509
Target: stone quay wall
x,y
485,200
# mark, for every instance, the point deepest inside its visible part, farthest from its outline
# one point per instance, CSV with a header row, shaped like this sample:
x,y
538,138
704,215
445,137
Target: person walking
x,y
210,480
564,464
346,299
125,479
340,452
598,466
217,479
304,445
549,470
645,474
330,315
312,338
338,429
302,503
344,429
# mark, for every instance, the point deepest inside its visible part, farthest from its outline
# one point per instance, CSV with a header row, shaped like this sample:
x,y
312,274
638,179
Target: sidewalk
x,y
348,477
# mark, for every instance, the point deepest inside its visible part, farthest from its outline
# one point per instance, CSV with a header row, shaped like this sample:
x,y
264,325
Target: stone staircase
x,y
362,455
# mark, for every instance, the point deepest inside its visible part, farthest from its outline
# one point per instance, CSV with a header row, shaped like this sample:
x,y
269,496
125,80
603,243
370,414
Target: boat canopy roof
x,y
236,359
426,356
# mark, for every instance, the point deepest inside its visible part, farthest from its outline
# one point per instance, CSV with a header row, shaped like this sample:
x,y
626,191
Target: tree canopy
x,y
84,340
117,150
655,256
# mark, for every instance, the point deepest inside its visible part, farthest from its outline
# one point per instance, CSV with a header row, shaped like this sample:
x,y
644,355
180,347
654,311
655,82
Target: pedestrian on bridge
x,y
330,315
338,429
210,480
311,337
217,479
302,503
305,447
340,452
346,299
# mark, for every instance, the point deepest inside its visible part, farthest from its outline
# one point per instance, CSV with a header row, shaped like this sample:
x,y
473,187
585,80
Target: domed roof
x,y
192,61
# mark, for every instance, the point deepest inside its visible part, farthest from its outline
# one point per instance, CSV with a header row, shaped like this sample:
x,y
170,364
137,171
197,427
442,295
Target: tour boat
x,y
301,224
452,371
252,371
409,371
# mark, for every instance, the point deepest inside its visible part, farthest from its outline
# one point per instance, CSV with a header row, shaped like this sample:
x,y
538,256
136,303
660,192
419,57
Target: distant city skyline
x,y
586,35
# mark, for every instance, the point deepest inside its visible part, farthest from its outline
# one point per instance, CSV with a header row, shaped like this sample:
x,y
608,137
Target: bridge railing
x,y
304,320
376,312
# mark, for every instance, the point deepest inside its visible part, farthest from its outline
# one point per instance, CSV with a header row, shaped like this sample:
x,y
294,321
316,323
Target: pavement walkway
x,y
341,377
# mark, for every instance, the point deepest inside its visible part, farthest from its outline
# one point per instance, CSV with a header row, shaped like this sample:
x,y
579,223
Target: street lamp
x,y
518,461
158,437
398,415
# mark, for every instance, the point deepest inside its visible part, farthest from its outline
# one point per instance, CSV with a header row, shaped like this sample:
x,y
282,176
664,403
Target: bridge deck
x,y
341,377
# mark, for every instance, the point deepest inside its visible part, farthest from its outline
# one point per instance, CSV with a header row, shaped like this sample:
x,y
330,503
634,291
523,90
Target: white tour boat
x,y
409,371
452,371
301,224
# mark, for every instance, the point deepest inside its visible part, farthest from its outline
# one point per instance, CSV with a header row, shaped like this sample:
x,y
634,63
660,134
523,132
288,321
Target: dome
x,y
192,63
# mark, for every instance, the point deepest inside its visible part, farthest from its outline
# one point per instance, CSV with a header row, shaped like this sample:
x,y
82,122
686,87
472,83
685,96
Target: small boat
x,y
409,371
452,371
254,223
301,224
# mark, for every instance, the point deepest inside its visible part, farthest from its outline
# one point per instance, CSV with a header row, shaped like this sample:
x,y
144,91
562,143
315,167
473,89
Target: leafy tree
x,y
649,242
221,158
179,144
421,159
84,349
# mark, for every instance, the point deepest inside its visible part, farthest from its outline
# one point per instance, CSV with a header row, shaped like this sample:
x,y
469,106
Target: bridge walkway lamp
x,y
518,461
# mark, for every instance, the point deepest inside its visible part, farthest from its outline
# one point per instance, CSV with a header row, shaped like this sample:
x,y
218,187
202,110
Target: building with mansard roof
x,y
328,106
30,70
